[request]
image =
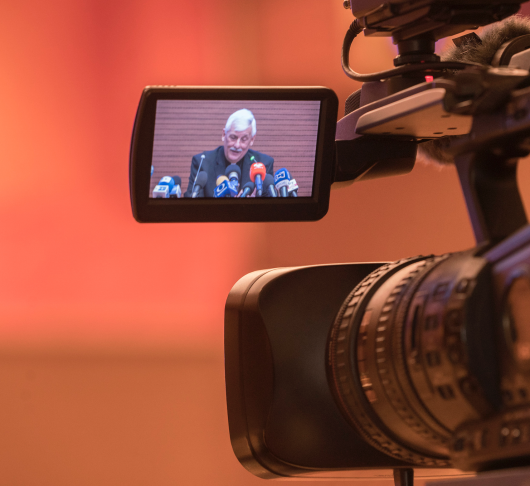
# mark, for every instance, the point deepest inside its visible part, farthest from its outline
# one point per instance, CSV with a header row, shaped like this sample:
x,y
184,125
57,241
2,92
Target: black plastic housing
x,y
405,19
146,209
282,416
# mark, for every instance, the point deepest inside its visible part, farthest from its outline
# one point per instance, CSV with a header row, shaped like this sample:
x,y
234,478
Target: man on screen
x,y
238,136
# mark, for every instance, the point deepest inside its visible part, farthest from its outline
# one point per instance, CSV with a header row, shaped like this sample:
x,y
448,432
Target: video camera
x,y
342,370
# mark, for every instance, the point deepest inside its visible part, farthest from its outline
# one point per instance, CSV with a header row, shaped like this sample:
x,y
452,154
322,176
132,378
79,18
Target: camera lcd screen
x,y
233,154
279,134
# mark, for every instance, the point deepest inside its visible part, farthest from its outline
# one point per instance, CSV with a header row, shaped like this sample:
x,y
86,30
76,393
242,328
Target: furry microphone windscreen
x,y
480,50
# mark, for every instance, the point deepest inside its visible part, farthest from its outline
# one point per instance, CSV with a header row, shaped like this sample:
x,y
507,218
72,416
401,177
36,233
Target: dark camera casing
x,y
146,209
282,416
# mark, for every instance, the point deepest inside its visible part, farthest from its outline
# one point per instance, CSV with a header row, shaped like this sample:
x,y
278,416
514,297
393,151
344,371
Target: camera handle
x,y
489,182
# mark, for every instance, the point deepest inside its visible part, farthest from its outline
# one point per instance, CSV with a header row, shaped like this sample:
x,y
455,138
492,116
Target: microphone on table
x,y
293,188
200,182
163,188
248,189
281,181
268,184
232,190
233,172
222,189
257,174
176,192
197,174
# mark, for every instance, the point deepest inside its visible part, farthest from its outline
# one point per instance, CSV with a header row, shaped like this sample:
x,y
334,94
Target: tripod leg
x,y
404,477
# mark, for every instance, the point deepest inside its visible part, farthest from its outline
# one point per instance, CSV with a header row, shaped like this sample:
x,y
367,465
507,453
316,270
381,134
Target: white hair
x,y
241,120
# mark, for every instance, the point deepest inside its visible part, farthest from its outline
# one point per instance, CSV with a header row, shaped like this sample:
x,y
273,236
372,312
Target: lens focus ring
x,y
354,387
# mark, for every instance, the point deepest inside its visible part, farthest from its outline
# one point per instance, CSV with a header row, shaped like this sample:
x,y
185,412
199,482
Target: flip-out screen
x,y
232,154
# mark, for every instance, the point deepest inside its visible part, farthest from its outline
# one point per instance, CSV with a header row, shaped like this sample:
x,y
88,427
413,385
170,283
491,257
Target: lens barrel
x,y
410,355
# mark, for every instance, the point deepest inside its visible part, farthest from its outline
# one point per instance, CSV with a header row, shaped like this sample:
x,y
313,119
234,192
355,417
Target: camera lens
x,y
405,362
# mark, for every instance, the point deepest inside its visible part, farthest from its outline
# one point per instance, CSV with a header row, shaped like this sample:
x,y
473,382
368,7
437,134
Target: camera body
x,y
423,365
334,370
370,369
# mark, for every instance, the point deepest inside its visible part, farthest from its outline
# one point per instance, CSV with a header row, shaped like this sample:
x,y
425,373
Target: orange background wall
x,y
95,338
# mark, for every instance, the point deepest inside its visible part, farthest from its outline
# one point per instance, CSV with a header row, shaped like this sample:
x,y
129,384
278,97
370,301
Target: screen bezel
x,y
147,209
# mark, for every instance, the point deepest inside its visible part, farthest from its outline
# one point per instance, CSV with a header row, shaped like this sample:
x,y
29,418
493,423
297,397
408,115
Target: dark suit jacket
x,y
215,164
